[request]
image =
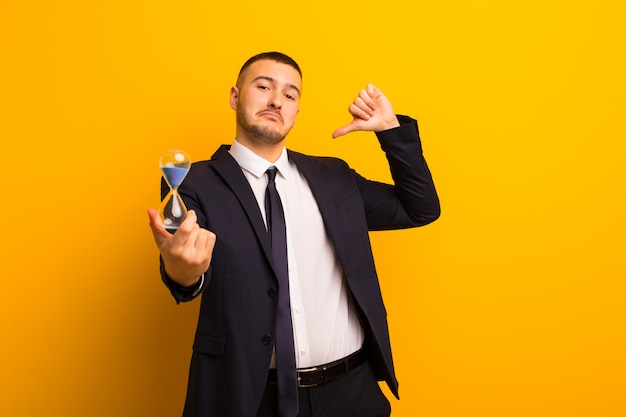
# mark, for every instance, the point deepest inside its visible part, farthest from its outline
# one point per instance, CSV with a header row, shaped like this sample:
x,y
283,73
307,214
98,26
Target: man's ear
x,y
234,97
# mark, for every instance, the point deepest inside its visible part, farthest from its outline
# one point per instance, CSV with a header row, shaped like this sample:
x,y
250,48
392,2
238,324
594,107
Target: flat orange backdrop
x,y
511,305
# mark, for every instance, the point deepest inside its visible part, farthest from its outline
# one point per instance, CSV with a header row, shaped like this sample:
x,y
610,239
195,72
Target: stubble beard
x,y
263,134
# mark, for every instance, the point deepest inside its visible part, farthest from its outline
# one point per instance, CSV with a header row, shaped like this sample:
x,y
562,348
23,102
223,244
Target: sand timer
x,y
174,166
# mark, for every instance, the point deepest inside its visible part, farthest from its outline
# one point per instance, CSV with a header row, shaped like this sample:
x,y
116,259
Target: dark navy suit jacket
x,y
234,338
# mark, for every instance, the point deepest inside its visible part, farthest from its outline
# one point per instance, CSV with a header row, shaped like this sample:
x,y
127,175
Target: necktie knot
x,y
271,173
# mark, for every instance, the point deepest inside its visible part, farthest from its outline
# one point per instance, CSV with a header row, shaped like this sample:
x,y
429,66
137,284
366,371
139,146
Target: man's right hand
x,y
187,253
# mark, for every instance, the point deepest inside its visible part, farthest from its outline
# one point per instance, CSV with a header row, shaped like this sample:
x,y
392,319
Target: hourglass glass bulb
x,y
175,165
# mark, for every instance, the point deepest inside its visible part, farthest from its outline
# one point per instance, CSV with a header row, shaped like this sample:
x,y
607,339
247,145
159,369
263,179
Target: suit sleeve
x,y
412,201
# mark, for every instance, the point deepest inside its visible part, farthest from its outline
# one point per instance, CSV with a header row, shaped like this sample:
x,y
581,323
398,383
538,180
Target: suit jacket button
x,y
272,292
266,339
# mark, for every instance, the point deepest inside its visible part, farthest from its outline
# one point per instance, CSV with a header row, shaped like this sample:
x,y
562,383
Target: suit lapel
x,y
228,169
318,182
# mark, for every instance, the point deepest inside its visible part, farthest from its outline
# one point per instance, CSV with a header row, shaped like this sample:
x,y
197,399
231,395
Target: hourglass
x,y
174,166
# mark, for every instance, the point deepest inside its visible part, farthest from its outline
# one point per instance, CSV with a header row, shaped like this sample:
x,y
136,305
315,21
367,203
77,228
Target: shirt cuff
x,y
199,286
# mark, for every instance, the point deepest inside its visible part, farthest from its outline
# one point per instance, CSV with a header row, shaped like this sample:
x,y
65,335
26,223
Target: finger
x,y
206,241
154,217
358,113
212,238
368,99
188,229
362,105
156,224
190,219
344,130
190,238
373,91
186,226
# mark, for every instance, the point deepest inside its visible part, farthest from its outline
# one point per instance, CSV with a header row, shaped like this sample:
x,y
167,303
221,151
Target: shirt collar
x,y
257,165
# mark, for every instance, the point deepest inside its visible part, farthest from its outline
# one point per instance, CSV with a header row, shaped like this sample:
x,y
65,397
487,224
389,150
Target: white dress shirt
x,y
326,325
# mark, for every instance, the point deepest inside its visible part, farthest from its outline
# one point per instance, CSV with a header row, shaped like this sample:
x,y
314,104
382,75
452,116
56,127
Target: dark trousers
x,y
356,394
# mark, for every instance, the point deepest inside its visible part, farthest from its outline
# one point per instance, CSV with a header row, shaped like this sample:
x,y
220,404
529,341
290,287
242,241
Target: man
x,y
299,258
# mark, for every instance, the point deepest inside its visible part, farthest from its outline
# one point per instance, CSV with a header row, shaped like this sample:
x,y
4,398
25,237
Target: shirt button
x,y
297,309
272,292
303,352
266,339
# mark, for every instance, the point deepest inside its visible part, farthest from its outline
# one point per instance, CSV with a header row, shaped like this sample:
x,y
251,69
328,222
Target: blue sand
x,y
174,175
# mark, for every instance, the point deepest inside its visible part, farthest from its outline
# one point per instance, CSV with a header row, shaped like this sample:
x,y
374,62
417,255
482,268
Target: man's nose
x,y
276,101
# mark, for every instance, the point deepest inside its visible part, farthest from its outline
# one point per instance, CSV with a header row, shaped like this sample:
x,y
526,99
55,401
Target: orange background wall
x,y
512,304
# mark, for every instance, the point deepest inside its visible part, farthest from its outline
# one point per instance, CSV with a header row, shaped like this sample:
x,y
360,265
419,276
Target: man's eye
x,y
263,87
290,97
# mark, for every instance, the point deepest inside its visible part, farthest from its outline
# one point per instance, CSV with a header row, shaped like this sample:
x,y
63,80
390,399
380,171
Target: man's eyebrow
x,y
270,79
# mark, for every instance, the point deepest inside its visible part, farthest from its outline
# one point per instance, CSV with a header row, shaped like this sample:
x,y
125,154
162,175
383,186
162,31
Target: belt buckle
x,y
304,371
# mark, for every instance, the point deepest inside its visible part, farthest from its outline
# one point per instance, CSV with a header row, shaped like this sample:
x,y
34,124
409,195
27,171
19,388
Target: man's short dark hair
x,y
273,56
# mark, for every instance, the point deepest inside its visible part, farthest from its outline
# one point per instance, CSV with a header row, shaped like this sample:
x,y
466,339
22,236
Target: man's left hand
x,y
371,111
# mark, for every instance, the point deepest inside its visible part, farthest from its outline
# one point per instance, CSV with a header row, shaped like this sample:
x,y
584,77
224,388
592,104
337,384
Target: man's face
x,y
266,101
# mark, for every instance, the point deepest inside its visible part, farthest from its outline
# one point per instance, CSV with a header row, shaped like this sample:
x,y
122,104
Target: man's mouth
x,y
271,114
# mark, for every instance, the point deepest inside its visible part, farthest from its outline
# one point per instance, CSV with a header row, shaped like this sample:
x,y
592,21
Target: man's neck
x,y
266,151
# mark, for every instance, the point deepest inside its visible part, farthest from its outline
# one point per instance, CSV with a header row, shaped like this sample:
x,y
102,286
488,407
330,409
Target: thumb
x,y
344,130
157,226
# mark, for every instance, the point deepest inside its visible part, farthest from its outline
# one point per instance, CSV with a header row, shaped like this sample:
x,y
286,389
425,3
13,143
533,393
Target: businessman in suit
x,y
292,321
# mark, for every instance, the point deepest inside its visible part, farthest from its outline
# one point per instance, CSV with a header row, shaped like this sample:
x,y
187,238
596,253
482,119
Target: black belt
x,y
310,377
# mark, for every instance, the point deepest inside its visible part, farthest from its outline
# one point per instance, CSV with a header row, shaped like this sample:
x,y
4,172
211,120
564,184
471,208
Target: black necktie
x,y
285,356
